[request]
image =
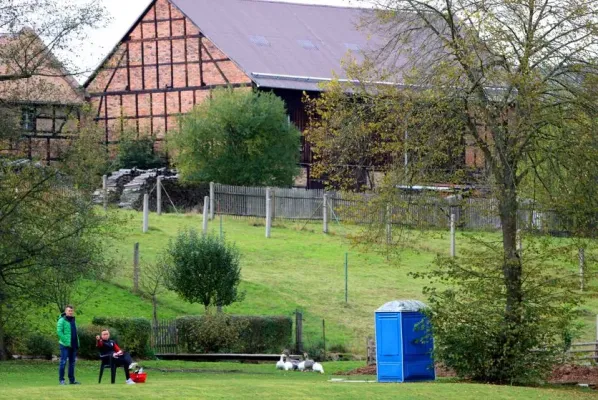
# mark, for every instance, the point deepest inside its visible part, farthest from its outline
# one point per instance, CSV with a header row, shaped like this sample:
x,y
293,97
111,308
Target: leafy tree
x,y
238,137
138,152
515,74
47,228
50,236
203,269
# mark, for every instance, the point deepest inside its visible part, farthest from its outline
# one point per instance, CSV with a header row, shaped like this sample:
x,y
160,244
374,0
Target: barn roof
x,y
282,45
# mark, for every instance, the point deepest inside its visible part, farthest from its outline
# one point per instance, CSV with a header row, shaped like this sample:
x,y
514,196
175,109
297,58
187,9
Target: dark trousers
x,y
124,360
71,354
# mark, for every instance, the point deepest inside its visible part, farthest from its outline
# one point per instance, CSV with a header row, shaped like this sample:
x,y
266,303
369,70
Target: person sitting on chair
x,y
109,347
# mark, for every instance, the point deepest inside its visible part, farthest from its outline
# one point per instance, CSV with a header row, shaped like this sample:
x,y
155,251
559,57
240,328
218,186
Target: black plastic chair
x,y
108,362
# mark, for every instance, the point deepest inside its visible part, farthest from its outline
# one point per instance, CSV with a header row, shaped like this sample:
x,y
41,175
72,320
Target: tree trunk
x,y
3,355
511,270
155,306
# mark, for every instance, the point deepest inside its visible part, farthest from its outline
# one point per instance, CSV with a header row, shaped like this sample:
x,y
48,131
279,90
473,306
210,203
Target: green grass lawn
x,y
297,268
180,380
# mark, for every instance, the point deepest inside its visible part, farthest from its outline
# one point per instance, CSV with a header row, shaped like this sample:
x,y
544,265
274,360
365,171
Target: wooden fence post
x,y
324,337
105,191
325,213
212,194
136,267
582,267
388,224
370,351
206,205
299,332
145,213
159,195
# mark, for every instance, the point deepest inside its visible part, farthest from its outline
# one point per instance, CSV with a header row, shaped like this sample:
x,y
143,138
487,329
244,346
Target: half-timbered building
x,y
39,100
177,51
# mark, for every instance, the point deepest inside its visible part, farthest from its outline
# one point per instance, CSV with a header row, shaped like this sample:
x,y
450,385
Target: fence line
x,y
417,211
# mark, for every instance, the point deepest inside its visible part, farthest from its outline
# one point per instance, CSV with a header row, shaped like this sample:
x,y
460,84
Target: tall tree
x,y
47,228
516,73
238,137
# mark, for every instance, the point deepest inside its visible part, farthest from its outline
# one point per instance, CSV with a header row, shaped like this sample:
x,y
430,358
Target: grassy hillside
x,y
298,268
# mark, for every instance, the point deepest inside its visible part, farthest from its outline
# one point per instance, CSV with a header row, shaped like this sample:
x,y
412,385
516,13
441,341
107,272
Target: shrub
x,y
135,333
266,334
41,345
87,340
238,334
203,269
238,138
467,312
139,153
212,333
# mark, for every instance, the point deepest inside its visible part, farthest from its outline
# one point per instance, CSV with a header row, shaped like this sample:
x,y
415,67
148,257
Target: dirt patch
x,y
371,370
570,373
367,370
567,373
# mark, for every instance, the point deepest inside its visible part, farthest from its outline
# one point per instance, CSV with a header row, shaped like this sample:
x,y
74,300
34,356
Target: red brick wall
x,y
161,70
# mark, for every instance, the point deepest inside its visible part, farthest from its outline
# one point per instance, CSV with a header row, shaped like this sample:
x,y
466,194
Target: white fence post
x,y
268,213
105,191
206,201
159,195
453,238
325,213
519,241
145,213
212,193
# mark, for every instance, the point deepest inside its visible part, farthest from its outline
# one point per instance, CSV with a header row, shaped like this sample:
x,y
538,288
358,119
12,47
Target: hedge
x,y
87,340
134,334
234,334
41,345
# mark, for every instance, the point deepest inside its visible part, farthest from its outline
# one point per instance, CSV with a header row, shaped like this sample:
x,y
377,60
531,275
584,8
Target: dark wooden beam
x,y
167,90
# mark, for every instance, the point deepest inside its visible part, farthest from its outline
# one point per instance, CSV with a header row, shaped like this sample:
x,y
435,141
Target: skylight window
x,y
259,40
307,44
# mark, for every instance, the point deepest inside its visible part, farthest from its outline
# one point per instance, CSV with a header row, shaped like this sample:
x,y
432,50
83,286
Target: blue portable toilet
x,y
401,354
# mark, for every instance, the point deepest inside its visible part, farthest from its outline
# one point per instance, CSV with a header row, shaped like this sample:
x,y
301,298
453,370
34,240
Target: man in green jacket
x,y
69,344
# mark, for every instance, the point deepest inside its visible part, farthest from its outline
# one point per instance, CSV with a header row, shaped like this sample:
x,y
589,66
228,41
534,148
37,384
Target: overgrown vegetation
x,y
238,137
135,151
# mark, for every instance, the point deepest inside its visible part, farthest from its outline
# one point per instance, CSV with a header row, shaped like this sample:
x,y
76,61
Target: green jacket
x,y
63,329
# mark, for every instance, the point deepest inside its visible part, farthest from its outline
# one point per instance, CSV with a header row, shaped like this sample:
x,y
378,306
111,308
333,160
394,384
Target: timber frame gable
x,y
161,68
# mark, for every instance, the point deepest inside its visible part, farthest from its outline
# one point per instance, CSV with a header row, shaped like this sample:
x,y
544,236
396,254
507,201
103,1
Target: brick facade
x,y
160,70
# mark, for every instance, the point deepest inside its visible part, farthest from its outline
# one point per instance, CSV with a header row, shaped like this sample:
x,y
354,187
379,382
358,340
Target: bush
x,y
135,334
41,345
139,153
266,334
212,333
467,312
87,340
236,334
203,269
238,138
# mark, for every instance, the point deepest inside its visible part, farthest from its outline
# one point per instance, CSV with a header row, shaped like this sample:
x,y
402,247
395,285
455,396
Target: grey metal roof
x,y
282,45
402,306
